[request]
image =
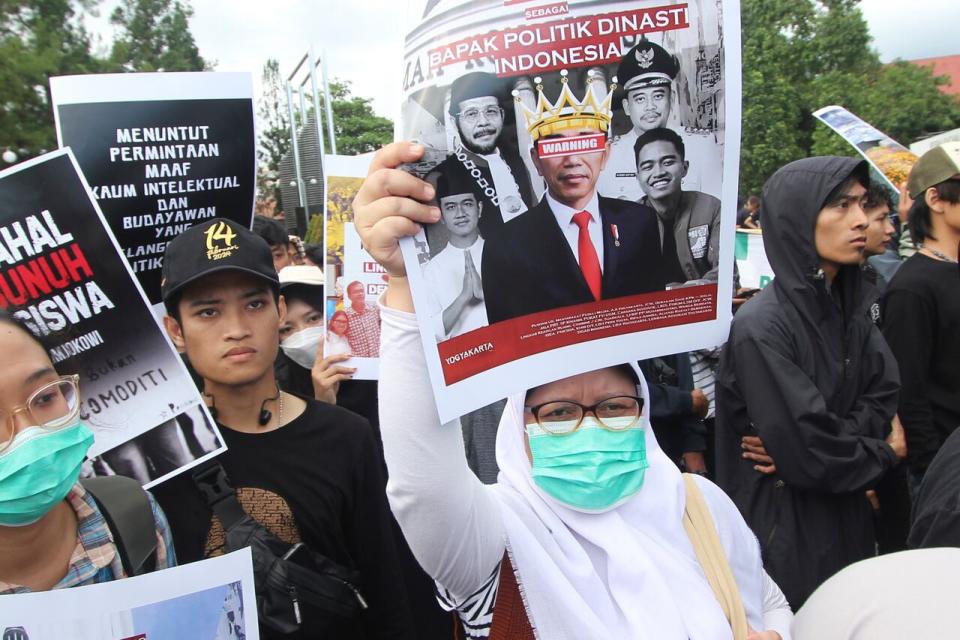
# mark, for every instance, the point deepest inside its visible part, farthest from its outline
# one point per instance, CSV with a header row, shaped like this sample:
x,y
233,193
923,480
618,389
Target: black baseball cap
x,y
213,246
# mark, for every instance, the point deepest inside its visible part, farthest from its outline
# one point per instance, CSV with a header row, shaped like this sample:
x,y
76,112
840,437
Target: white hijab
x,y
629,573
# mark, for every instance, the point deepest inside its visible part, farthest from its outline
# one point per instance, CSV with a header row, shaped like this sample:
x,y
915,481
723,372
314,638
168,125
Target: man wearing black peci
x,y
574,246
484,157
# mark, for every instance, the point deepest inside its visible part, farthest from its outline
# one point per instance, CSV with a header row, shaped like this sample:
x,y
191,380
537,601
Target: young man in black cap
x,y
453,274
921,309
487,157
308,471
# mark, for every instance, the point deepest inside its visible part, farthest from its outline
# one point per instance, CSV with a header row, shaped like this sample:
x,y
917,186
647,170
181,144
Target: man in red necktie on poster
x,y
574,246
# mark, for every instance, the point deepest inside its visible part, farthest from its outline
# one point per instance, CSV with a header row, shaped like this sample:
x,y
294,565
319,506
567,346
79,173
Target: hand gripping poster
x,y
352,315
209,600
584,154
161,152
62,274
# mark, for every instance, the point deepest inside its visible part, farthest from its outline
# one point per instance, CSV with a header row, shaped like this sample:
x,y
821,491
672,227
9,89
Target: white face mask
x,y
301,347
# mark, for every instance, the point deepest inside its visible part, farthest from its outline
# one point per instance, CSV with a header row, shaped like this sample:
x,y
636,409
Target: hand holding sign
x,y
387,207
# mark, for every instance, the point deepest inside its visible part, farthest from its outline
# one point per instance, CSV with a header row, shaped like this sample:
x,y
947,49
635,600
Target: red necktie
x,y
589,263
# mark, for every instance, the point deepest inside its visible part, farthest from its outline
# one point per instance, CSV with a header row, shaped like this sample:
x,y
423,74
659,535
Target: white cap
x,y
301,274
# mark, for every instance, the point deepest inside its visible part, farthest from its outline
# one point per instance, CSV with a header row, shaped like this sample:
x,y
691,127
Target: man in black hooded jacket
x,y
807,372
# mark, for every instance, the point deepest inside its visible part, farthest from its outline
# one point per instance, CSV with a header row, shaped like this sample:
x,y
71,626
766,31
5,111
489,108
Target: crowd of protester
x,y
819,442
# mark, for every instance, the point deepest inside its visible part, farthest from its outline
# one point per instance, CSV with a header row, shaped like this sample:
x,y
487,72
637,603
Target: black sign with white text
x,y
158,166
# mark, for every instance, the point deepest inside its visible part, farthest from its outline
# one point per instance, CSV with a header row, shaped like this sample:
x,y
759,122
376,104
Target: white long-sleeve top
x,y
451,521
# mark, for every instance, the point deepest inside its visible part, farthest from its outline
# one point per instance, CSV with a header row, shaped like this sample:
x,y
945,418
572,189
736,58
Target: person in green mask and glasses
x,y
52,533
591,531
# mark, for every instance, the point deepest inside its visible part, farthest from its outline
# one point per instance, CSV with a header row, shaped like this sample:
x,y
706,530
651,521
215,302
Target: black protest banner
x,y
161,152
62,274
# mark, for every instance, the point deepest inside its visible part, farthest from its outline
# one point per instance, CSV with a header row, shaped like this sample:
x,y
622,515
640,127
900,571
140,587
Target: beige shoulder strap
x,y
702,532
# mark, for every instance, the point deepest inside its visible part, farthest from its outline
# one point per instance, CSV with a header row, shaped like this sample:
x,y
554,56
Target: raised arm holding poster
x,y
161,152
212,599
62,273
580,153
352,316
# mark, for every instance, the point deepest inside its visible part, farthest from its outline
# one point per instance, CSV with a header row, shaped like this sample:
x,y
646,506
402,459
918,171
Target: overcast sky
x,y
363,38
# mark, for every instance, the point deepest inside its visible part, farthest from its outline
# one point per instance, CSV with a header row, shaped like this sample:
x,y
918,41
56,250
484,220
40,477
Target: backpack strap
x,y
702,532
126,508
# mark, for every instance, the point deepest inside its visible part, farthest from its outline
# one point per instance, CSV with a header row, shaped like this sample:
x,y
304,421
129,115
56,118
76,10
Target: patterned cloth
x,y
476,610
95,558
364,331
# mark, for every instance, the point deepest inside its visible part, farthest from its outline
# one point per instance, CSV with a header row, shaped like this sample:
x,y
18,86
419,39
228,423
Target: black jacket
x,y
528,266
807,371
936,513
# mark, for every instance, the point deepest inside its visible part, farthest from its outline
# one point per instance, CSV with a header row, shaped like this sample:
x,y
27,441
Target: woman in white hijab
x,y
588,516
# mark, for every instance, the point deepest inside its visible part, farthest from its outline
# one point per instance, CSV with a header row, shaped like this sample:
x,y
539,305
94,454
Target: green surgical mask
x,y
592,469
37,471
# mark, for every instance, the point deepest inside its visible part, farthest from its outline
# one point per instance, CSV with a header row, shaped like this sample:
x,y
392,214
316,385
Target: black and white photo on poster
x,y
62,274
157,454
585,159
161,152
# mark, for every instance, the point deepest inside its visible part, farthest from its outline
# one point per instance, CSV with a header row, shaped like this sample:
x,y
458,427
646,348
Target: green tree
x,y
38,39
801,55
357,127
154,35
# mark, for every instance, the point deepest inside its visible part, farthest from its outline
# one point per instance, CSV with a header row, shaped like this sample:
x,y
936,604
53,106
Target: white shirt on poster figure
x,y
453,275
571,231
508,192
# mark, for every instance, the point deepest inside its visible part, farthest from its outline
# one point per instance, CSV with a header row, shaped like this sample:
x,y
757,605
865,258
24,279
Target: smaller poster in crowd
x,y
161,152
62,274
352,314
891,159
585,157
209,600
755,270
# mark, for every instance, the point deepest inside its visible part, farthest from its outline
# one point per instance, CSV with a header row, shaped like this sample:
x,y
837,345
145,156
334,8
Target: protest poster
x,y
752,264
211,599
888,157
352,316
161,152
530,112
63,274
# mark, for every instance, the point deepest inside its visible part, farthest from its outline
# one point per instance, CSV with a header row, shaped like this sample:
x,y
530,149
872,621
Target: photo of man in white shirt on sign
x,y
453,274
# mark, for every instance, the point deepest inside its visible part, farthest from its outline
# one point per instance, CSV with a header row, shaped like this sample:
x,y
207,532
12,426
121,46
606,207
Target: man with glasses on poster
x,y
485,157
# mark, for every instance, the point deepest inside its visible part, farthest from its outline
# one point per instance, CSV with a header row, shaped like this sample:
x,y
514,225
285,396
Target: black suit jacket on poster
x,y
528,265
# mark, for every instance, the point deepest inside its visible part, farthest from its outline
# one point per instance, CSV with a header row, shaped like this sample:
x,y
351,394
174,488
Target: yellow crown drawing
x,y
567,112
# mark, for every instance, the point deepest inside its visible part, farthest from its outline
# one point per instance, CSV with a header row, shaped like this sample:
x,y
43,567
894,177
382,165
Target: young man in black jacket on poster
x,y
807,375
308,471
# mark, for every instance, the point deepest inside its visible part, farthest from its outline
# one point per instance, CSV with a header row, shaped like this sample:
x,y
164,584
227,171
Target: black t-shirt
x,y
318,480
921,322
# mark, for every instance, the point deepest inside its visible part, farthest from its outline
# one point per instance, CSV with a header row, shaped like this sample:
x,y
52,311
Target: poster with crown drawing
x,y
585,159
